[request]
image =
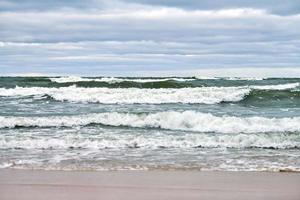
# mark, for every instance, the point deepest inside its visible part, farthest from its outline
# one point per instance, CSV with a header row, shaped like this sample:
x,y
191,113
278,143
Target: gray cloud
x,y
287,7
100,37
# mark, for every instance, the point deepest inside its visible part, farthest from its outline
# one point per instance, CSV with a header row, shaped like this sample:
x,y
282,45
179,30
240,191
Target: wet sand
x,y
132,185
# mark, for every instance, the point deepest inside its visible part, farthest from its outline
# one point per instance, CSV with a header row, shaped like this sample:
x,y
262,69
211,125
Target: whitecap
x,y
155,141
276,87
103,95
205,95
172,120
112,80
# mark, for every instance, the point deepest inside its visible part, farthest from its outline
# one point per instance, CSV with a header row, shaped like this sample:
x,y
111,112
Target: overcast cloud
x,y
140,37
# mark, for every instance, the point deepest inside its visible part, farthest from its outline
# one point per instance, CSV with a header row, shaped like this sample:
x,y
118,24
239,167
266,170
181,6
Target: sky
x,y
150,38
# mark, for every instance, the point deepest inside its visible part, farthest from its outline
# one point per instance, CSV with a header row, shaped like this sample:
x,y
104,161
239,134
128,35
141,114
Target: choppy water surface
x,y
108,123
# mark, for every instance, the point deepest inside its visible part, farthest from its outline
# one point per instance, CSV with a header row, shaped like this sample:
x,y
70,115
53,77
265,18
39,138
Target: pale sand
x,y
154,185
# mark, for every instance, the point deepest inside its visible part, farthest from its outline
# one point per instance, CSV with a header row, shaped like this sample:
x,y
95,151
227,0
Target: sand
x,y
125,185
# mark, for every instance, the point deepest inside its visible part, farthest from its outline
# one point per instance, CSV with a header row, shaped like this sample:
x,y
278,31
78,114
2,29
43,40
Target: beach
x,y
149,100
39,184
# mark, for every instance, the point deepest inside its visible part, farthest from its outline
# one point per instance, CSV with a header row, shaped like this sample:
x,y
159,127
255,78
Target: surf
x,y
168,120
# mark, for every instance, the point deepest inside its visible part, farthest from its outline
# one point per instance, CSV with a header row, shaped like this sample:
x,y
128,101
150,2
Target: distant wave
x,y
74,79
172,120
244,78
276,87
199,95
137,82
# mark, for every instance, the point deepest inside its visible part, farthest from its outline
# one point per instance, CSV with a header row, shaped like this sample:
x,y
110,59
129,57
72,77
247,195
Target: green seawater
x,y
117,123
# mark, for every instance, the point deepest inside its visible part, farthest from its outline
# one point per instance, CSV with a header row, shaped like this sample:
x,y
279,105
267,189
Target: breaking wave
x,y
276,87
205,95
185,121
266,141
199,95
74,79
244,78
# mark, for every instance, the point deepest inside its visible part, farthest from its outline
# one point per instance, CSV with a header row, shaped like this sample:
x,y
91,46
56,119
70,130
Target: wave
x,y
199,95
128,82
276,87
112,80
272,97
244,78
73,79
158,140
171,120
205,95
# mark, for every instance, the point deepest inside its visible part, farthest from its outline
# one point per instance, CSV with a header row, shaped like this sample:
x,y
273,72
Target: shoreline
x,y
157,184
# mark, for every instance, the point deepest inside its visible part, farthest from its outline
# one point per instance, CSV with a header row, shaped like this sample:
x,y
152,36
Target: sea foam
x,y
72,79
276,87
155,141
172,120
204,95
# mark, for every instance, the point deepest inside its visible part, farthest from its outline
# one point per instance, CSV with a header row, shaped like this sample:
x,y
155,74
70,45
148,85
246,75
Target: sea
x,y
150,123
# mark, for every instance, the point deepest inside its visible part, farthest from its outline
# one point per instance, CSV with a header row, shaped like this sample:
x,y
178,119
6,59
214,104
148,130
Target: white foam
x,y
6,165
155,141
207,78
115,80
187,121
276,87
205,95
244,78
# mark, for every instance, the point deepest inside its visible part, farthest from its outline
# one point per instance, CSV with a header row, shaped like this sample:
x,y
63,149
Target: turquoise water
x,y
102,123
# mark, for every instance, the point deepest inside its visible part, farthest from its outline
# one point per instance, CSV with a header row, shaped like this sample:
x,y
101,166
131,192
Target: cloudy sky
x,y
143,37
